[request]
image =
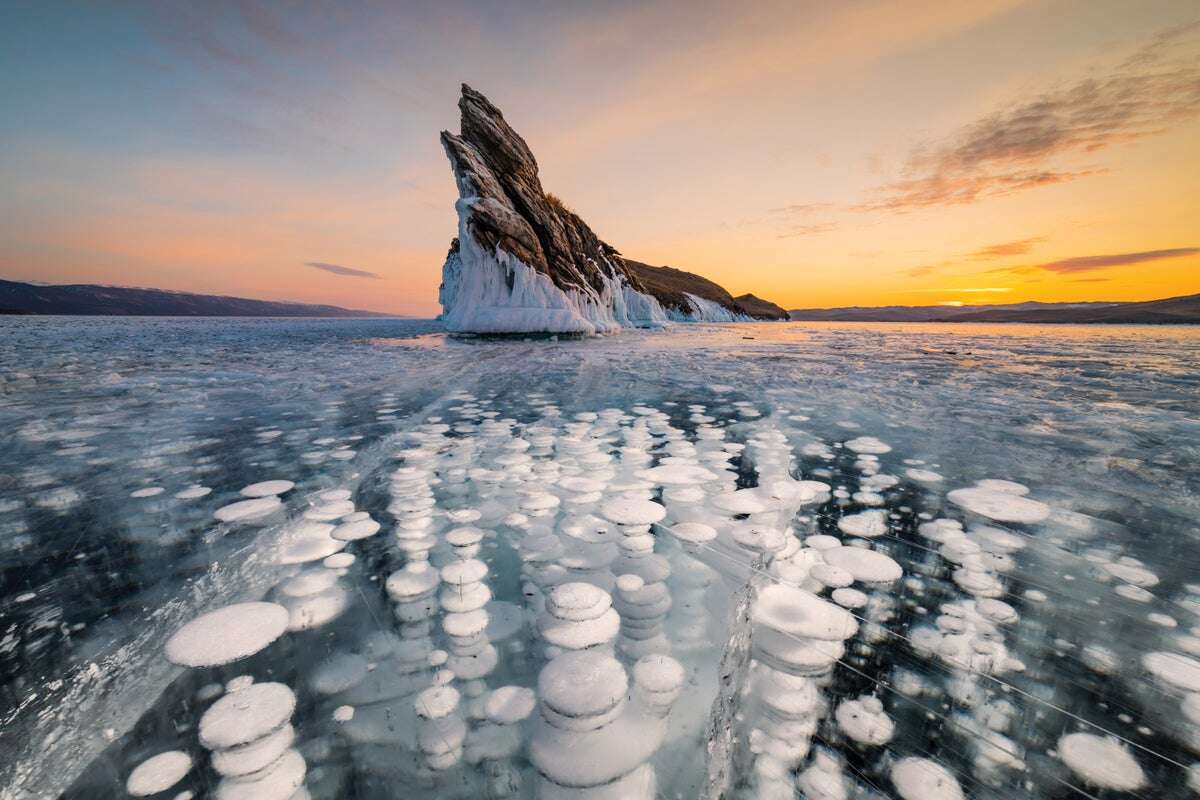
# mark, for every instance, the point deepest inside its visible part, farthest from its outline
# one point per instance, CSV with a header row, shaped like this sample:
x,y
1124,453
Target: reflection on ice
x,y
635,569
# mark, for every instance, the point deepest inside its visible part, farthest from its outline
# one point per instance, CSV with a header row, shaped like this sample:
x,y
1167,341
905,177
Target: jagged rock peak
x,y
498,180
523,262
483,125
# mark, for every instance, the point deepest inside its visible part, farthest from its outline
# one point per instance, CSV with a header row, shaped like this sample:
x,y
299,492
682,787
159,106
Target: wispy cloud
x,y
1085,263
1014,248
808,229
982,290
1019,147
338,269
1022,269
798,219
945,188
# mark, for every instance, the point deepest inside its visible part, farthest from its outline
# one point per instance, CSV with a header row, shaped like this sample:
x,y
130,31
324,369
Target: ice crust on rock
x,y
701,309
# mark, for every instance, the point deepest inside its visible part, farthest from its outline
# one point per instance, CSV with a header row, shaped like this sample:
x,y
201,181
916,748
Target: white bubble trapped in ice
x,y
868,524
158,773
998,505
227,634
1100,761
1174,669
248,510
267,488
246,715
865,721
923,779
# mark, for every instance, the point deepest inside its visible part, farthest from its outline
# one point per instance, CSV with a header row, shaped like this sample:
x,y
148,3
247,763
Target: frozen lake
x,y
754,561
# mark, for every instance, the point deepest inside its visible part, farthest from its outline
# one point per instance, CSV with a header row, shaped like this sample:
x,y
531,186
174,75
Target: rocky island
x,y
525,263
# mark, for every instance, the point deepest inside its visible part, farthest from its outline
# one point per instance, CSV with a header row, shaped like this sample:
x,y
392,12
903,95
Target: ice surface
x,y
830,561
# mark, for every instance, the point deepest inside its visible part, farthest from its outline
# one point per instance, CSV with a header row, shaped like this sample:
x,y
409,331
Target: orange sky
x,y
860,153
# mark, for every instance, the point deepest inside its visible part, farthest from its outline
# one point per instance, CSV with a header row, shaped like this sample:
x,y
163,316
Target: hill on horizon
x,y
84,299
1170,310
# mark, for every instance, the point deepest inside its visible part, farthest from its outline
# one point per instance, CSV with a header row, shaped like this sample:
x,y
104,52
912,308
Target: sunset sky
x,y
814,153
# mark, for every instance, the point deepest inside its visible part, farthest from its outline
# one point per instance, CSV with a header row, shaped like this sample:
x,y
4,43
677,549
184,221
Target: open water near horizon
x,y
1042,640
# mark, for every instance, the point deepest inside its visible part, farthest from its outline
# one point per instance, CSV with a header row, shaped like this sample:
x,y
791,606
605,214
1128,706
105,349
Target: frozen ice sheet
x,y
1041,639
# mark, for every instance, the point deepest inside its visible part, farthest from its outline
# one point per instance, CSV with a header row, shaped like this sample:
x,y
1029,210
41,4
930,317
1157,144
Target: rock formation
x,y
686,296
525,263
759,308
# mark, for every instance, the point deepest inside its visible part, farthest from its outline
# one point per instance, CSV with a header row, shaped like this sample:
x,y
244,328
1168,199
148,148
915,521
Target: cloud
x,y
802,209
949,189
1085,263
1020,146
796,220
338,269
984,290
1024,269
1015,248
808,229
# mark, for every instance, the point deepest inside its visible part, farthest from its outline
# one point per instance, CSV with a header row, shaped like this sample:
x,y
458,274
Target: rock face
x,y
525,263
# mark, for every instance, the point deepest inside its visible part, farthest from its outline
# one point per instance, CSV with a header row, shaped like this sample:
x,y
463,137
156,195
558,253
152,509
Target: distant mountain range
x,y
1173,310
92,300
